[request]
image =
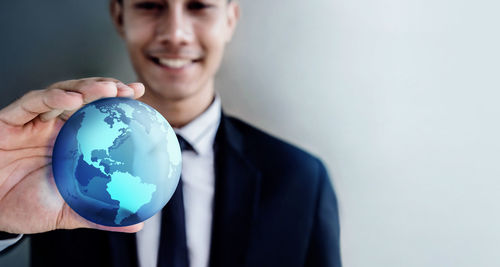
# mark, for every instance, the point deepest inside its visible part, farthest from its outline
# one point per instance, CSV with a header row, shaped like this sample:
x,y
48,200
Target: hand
x,y
29,199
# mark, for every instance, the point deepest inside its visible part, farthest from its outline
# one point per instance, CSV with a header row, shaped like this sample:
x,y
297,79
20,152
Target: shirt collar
x,y
200,132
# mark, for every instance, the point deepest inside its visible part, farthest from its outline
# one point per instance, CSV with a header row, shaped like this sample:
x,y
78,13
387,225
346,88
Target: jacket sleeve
x,y
324,243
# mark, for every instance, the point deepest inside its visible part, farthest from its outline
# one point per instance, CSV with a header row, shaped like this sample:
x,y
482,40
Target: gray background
x,y
398,97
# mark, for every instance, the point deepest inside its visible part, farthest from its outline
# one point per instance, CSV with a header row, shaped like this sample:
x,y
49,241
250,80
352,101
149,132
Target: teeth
x,y
174,63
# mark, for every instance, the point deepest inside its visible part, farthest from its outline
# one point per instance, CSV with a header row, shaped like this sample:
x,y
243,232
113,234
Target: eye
x,y
149,6
197,5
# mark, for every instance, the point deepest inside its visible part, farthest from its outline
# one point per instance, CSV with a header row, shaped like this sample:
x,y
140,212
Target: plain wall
x,y
398,97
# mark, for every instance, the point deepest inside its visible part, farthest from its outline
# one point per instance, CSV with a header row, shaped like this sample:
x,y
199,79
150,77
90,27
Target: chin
x,y
173,93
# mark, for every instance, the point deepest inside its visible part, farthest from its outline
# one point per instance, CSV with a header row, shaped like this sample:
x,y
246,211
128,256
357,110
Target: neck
x,y
182,110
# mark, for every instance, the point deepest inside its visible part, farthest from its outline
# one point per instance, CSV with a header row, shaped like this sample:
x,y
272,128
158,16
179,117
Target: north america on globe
x,y
116,161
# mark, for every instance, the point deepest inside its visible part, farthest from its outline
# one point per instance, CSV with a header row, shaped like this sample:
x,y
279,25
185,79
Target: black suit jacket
x,y
274,206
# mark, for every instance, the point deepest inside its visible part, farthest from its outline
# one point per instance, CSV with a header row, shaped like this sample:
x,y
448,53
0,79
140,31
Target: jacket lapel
x,y
237,186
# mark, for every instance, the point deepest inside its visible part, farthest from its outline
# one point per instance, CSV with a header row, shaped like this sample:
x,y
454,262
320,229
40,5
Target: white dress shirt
x,y
9,242
198,188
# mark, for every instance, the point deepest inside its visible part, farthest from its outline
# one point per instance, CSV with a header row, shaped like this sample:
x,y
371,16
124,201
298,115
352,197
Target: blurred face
x,y
175,46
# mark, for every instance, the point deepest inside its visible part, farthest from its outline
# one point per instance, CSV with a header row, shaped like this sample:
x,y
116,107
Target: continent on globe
x,y
116,161
123,184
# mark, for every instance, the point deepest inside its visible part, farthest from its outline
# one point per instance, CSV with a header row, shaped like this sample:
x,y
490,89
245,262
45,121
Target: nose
x,y
174,28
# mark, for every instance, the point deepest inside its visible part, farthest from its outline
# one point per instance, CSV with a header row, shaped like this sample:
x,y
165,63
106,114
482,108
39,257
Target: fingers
x,y
70,220
126,229
64,98
138,89
131,90
37,102
59,104
95,88
90,90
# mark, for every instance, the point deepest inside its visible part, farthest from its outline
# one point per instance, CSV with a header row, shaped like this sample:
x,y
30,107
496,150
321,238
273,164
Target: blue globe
x,y
116,161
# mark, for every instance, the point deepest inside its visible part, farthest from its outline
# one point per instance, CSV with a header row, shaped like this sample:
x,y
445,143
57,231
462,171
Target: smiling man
x,y
245,198
176,48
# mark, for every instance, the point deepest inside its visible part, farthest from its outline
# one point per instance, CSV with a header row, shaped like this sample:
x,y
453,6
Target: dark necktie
x,y
173,250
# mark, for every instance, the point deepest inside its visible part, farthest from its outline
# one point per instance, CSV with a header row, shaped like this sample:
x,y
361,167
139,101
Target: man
x,y
246,198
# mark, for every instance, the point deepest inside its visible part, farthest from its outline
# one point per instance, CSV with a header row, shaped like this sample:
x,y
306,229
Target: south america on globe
x,y
116,161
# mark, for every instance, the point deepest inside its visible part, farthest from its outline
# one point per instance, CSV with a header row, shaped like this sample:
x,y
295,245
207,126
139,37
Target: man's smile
x,y
175,63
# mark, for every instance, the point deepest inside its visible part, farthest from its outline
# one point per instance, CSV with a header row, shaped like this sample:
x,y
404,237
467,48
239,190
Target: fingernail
x,y
136,83
124,88
121,86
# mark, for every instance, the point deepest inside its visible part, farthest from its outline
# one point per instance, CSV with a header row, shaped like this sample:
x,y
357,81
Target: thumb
x,y
125,229
69,219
